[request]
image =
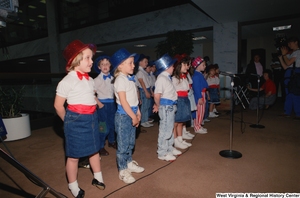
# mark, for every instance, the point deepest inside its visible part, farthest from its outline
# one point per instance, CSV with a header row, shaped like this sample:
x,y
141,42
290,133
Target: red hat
x,y
197,61
73,49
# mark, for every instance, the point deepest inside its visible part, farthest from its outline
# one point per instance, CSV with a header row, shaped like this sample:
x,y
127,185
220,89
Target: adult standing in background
x,y
254,73
287,61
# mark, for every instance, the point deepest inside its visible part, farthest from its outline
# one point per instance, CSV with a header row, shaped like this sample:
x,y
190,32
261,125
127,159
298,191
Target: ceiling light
x,y
199,38
31,20
41,60
43,1
99,51
41,16
284,27
21,23
32,7
22,63
140,45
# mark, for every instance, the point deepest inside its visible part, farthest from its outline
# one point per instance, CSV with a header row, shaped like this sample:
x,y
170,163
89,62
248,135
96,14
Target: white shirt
x,y
165,87
142,74
181,85
104,88
76,91
123,84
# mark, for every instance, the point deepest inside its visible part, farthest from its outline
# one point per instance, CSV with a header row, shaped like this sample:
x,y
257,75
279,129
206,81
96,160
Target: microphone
x,y
228,74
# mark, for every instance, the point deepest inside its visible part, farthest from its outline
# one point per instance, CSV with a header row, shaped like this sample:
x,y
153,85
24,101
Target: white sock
x,y
98,176
184,128
74,188
180,138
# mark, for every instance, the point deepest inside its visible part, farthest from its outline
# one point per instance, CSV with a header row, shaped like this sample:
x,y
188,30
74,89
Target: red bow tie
x,y
182,76
80,75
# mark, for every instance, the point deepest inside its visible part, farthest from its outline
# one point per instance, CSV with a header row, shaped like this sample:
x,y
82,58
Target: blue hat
x,y
100,58
136,58
118,57
164,63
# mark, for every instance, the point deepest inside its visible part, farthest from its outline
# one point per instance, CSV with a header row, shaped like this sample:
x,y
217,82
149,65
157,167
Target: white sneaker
x,y
150,120
176,152
134,167
186,136
179,144
150,124
206,120
186,143
212,115
145,124
169,157
201,131
126,176
191,135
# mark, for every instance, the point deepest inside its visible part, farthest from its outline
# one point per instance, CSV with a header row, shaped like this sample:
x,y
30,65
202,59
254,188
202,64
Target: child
x,y
213,82
105,94
199,86
165,99
128,114
144,88
183,113
80,117
186,134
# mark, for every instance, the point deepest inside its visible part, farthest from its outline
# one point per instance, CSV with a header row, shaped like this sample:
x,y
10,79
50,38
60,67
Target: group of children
x,y
110,104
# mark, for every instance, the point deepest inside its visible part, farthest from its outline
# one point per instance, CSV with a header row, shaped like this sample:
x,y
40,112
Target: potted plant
x,y
176,42
17,124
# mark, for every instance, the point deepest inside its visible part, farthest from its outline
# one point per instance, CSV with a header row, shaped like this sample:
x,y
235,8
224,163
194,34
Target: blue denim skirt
x,y
183,112
82,134
214,95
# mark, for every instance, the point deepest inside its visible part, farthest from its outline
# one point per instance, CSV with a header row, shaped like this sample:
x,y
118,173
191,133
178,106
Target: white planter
x,y
17,128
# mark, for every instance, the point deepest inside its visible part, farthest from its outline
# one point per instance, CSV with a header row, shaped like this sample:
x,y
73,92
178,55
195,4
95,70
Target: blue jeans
x,y
166,124
107,114
125,139
292,102
145,106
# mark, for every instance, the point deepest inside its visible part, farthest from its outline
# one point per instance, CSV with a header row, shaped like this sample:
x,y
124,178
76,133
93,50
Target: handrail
x,y
32,177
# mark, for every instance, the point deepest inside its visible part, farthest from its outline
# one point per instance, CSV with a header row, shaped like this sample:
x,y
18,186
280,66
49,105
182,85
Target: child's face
x,y
201,67
212,72
148,69
127,66
184,67
104,66
86,63
153,68
143,63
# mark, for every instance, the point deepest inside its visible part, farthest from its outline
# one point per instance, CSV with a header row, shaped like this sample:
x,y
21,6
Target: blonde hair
x,y
76,61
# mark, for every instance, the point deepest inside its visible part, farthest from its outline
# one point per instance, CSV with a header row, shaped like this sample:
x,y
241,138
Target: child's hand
x,y
155,108
135,121
200,101
148,95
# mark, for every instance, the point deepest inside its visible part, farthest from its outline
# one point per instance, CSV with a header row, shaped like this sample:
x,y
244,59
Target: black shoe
x,y
98,184
114,145
80,194
103,152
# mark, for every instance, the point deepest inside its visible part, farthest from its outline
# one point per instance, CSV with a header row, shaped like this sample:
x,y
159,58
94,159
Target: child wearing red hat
x,y
80,117
199,86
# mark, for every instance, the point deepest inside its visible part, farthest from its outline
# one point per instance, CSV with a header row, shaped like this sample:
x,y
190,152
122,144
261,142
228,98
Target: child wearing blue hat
x,y
107,105
128,114
165,98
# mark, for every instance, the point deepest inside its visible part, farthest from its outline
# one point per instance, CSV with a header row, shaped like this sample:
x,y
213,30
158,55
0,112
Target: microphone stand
x,y
231,153
257,125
